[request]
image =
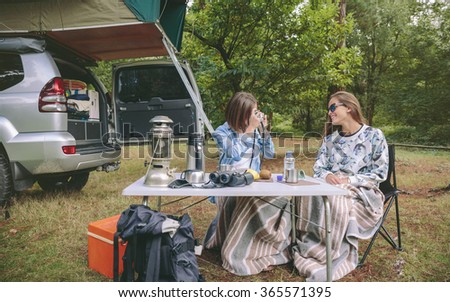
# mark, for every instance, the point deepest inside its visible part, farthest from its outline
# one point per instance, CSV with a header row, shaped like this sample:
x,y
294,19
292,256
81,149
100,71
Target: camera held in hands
x,y
260,116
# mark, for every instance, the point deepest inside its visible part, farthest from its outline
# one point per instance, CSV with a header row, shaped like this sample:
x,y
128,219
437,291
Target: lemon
x,y
254,173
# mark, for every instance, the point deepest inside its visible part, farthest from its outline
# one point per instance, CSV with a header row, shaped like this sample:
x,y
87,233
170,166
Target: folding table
x,y
307,187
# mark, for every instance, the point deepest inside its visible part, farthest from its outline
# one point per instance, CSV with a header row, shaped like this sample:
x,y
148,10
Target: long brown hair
x,y
349,101
239,110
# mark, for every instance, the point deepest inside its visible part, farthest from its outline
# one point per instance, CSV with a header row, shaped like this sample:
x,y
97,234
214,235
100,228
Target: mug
x,y
291,175
225,168
193,176
301,174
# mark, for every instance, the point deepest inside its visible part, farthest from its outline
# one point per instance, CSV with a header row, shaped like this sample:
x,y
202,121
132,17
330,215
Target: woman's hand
x,y
263,123
336,179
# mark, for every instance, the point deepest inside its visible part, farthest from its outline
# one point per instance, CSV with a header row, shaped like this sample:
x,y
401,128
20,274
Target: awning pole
x,y
189,88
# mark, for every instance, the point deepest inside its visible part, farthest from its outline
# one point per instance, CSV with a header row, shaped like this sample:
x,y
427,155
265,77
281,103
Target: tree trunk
x,y
371,93
308,118
341,43
342,16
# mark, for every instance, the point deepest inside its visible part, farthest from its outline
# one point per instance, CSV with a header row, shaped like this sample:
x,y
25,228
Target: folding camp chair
x,y
389,188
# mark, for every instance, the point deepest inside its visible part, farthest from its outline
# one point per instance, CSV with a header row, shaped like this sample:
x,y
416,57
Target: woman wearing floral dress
x,y
353,156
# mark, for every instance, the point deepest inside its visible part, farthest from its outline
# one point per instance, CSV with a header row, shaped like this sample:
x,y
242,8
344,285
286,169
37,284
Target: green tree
x,y
283,52
420,89
405,73
380,34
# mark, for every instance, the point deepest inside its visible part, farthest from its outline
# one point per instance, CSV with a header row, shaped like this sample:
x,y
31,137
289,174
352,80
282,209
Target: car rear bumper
x,y
42,153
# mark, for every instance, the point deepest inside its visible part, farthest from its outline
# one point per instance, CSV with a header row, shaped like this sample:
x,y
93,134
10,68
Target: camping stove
x,y
159,173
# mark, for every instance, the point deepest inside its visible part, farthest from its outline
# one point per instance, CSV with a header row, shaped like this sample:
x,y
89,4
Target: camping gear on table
x,y
159,172
231,179
195,157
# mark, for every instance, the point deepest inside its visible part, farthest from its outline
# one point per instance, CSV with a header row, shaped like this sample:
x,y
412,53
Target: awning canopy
x,y
99,29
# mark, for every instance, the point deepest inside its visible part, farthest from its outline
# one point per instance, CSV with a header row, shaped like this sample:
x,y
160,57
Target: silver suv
x,y
58,123
53,119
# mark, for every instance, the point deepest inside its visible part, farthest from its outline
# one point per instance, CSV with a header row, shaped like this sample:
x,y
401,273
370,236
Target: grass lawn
x,y
46,237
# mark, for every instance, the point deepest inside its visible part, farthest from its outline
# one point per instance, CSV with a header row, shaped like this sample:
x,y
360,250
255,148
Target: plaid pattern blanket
x,y
353,216
253,233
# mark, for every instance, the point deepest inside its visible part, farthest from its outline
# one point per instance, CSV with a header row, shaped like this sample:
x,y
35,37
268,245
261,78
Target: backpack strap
x,y
154,259
182,247
128,274
129,259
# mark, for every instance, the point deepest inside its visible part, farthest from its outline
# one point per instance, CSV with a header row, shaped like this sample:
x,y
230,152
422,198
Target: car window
x,y
76,74
141,84
11,70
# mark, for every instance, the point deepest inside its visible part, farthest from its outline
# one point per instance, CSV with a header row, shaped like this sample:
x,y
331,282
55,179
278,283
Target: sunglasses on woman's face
x,y
333,107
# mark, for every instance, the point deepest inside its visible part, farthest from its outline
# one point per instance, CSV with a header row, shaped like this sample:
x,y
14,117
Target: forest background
x,y
394,55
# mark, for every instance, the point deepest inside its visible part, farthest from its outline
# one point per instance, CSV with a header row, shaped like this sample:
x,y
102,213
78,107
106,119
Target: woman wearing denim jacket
x,y
253,235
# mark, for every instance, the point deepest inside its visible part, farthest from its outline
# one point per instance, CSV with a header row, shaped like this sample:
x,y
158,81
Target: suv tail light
x,y
69,149
52,97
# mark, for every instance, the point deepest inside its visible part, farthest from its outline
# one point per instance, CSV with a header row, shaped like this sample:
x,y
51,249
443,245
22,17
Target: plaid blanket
x,y
253,233
354,216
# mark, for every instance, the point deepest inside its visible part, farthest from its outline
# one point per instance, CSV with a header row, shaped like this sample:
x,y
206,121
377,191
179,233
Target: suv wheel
x,y
72,183
6,187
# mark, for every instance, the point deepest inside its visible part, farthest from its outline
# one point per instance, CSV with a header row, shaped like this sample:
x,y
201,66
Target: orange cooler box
x,y
101,246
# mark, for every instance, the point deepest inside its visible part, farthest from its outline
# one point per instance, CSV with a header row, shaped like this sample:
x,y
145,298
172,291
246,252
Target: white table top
x,y
312,187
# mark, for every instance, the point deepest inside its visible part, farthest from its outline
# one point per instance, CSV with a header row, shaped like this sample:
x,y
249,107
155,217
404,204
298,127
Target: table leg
x,y
293,220
145,201
328,237
158,203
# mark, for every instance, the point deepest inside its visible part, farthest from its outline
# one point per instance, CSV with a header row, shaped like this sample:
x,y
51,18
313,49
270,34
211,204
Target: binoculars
x,y
231,179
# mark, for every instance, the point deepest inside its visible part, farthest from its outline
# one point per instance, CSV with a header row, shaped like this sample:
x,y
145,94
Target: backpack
x,y
151,255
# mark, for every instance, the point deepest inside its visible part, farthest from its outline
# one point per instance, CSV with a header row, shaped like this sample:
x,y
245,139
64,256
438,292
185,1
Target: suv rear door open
x,y
145,89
